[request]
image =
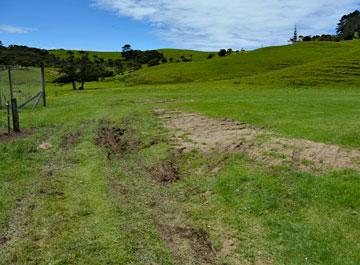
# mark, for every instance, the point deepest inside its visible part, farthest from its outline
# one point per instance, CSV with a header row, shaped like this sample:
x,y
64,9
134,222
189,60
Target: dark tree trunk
x,y
82,86
73,85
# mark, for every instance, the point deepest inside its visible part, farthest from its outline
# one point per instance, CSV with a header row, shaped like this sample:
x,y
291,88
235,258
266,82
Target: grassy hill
x,y
260,61
303,64
168,53
196,56
340,70
106,55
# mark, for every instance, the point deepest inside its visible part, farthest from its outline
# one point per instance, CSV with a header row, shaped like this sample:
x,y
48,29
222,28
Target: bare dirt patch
x,y
118,140
200,247
4,136
165,172
194,131
3,240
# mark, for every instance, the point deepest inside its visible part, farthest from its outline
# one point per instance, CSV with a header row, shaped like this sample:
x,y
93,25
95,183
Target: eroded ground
x,y
194,131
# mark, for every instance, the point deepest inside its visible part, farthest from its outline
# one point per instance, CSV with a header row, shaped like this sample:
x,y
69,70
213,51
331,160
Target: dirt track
x,y
194,131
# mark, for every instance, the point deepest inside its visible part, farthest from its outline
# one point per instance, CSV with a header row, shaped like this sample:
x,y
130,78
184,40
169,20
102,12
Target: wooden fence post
x,y
8,117
10,83
43,85
15,115
1,103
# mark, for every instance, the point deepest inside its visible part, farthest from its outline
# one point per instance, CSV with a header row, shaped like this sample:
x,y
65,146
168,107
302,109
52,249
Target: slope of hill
x,y
260,61
175,54
105,55
341,69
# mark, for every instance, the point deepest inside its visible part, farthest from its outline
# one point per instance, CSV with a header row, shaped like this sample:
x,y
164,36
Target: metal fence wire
x,y
25,84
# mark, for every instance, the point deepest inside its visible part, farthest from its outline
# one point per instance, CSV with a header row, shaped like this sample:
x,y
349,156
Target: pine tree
x,y
294,39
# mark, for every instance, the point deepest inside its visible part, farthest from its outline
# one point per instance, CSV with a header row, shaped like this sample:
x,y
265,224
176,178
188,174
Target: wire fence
x,y
21,88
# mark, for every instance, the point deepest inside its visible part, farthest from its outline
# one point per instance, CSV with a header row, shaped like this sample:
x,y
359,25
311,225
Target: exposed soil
x,y
70,140
194,131
3,240
4,136
165,172
201,248
118,140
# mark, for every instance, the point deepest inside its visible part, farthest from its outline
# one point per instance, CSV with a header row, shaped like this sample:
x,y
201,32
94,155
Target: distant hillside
x,y
175,54
341,69
258,62
105,55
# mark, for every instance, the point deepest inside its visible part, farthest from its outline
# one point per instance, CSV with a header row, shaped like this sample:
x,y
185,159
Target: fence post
x,y
10,83
8,116
1,104
43,85
14,108
15,115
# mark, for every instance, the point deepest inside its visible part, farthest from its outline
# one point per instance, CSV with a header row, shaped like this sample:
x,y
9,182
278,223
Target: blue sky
x,y
150,24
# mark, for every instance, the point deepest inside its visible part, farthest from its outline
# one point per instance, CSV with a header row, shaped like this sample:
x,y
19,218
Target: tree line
x,y
348,28
78,68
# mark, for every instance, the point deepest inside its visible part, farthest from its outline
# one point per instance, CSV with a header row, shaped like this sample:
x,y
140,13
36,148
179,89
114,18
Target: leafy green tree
x,y
134,58
68,70
348,25
126,48
81,69
25,56
118,66
222,53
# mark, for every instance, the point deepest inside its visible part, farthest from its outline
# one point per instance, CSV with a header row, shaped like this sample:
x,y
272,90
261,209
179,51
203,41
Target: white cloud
x,y
13,29
214,24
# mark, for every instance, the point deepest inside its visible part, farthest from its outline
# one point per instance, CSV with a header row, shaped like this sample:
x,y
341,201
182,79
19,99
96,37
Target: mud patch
x,y
119,140
196,240
193,131
165,172
4,136
3,240
51,192
70,140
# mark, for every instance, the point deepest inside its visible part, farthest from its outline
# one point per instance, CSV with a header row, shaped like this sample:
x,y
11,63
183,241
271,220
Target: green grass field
x,y
79,203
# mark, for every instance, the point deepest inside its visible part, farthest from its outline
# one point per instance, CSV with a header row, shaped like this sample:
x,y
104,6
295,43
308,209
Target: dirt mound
x,y
201,248
118,140
194,131
165,172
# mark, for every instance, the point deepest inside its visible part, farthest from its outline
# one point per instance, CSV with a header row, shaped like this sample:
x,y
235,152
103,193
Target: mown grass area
x,y
323,113
84,202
